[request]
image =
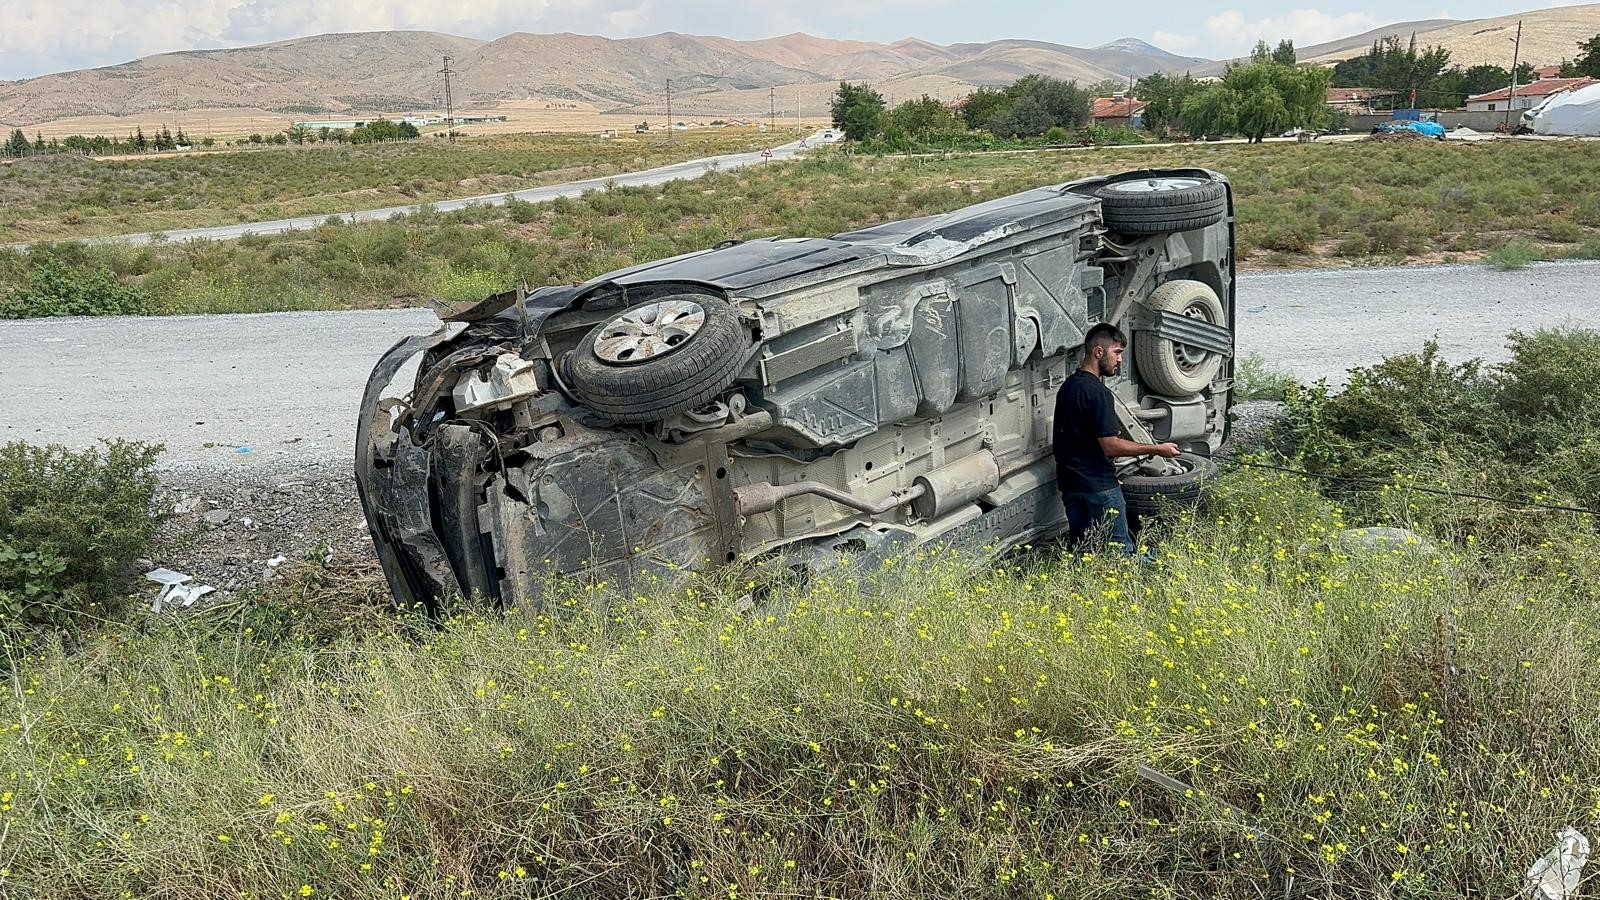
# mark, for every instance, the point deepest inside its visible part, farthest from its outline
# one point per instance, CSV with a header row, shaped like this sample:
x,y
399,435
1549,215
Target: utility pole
x,y
449,105
670,135
772,110
1516,52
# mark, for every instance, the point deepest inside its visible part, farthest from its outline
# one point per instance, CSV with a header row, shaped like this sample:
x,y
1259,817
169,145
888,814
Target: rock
x,y
186,505
217,517
1382,538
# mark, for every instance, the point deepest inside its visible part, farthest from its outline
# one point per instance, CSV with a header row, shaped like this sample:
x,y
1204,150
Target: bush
x,y
1516,253
53,288
1524,430
1254,379
70,521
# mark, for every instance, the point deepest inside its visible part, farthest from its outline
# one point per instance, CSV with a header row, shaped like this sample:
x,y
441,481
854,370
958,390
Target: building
x,y
1358,101
1547,72
418,121
1115,111
1528,95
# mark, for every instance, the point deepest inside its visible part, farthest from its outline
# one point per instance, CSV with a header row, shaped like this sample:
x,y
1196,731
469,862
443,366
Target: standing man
x,y
1086,437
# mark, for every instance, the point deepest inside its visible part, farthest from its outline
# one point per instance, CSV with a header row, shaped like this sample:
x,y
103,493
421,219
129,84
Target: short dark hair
x,y
1105,334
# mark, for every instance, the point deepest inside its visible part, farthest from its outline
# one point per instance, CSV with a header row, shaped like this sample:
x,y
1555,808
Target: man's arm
x,y
1114,446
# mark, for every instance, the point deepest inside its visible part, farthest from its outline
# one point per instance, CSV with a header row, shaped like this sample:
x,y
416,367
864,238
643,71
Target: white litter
x,y
1555,875
175,589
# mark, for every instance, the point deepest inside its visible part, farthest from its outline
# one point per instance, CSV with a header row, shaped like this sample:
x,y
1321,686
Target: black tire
x,y
690,375
1148,494
1129,207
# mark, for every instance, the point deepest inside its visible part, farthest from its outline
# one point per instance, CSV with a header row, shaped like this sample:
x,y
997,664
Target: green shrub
x,y
1516,253
1564,232
1254,379
1524,430
54,288
70,521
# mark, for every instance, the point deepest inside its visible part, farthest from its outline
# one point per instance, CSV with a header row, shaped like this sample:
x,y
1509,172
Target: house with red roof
x,y
1527,95
1114,111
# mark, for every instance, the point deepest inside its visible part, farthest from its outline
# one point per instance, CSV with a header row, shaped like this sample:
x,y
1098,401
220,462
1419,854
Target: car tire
x,y
1147,495
1162,204
1167,366
668,380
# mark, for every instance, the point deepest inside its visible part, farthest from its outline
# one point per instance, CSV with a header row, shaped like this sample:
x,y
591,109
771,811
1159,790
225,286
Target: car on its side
x,y
801,399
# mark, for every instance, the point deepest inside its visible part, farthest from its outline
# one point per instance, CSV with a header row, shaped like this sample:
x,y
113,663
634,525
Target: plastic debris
x,y
1555,875
176,589
242,450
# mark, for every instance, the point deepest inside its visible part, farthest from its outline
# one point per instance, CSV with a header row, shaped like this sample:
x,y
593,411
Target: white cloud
x,y
1229,33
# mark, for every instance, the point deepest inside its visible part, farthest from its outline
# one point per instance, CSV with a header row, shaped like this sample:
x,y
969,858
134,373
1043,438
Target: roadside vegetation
x,y
1298,205
56,196
1391,720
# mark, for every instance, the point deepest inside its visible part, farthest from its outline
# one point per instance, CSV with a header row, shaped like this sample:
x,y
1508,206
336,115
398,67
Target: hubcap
x,y
649,332
1154,185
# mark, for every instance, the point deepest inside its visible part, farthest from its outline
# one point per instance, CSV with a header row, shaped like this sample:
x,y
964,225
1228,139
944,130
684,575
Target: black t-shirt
x,y
1084,415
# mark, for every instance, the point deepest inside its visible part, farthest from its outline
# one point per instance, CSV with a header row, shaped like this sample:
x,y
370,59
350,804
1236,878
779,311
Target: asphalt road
x,y
280,390
691,169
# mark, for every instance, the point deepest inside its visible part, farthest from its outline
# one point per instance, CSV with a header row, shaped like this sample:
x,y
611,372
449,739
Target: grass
x,y
1517,253
63,196
1397,723
1298,205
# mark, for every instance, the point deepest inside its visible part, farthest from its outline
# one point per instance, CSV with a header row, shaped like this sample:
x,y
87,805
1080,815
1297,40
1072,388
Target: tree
x,y
924,115
139,141
1390,67
1269,97
1164,96
182,139
1027,117
981,106
299,133
39,145
17,145
1587,63
164,140
1483,78
1210,110
1107,87
857,111
406,130
323,133
1284,54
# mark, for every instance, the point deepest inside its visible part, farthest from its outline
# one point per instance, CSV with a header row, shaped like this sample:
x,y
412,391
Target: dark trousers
x,y
1097,517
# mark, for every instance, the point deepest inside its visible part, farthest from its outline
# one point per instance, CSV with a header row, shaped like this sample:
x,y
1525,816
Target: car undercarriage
x,y
805,399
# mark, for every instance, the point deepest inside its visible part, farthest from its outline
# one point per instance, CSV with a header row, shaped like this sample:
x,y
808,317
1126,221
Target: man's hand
x,y
1117,447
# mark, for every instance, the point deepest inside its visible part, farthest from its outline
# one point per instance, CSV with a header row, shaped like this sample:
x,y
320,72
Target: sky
x,y
46,36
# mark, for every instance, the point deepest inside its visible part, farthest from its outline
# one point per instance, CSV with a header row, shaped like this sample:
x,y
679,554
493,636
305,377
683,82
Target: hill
x,y
399,71
1548,37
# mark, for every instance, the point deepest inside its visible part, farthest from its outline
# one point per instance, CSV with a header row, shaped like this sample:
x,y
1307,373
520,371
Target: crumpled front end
x,y
485,482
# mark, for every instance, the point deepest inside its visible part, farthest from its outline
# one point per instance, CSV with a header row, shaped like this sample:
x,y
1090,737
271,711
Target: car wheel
x,y
1162,204
1148,494
1167,366
658,359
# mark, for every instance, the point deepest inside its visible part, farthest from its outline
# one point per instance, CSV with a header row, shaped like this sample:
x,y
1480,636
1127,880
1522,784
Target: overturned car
x,y
801,398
